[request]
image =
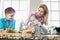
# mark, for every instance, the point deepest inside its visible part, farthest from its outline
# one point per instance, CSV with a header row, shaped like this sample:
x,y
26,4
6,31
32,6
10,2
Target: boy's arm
x,y
1,26
11,27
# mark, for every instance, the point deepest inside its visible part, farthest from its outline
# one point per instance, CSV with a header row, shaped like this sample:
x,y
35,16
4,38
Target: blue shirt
x,y
7,24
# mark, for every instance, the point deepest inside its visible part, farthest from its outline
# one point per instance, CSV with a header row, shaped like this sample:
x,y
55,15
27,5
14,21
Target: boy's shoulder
x,y
1,19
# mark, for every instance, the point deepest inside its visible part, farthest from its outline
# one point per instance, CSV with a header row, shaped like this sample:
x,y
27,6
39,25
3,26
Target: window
x,y
54,14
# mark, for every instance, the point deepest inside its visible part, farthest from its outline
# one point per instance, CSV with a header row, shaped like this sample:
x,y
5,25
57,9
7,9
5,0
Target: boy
x,y
8,23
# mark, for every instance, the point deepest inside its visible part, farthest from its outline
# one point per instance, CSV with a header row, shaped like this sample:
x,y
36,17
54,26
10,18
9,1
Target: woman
x,y
39,18
41,15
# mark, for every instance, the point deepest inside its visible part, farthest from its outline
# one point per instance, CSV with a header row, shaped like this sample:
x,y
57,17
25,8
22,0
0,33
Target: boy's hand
x,y
8,29
3,30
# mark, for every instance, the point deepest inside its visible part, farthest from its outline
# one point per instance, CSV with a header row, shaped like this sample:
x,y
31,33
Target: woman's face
x,y
40,12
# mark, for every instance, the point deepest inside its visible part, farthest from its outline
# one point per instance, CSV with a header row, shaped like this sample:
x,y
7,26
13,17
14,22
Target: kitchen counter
x,y
15,34
18,36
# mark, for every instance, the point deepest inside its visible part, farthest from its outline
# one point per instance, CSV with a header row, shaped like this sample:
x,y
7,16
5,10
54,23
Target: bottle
x,y
20,28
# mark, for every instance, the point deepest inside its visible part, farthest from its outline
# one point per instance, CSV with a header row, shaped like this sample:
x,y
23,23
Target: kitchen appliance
x,y
57,29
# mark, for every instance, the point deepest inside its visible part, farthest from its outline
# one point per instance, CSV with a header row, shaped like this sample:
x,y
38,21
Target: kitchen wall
x,y
34,4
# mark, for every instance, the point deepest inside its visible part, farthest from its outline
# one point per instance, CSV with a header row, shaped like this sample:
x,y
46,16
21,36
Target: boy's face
x,y
9,16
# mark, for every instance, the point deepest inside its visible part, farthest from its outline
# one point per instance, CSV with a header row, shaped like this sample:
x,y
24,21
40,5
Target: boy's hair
x,y
9,10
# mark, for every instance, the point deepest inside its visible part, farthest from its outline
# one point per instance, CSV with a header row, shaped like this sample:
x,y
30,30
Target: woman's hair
x,y
45,12
44,8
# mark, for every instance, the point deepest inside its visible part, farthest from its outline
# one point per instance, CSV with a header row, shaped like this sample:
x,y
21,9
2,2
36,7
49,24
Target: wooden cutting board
x,y
16,34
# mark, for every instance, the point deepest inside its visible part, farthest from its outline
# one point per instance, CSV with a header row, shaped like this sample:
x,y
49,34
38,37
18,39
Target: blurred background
x,y
24,7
